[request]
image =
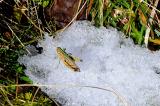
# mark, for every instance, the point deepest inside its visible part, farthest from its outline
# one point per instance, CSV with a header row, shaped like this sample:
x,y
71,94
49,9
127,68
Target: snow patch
x,y
127,72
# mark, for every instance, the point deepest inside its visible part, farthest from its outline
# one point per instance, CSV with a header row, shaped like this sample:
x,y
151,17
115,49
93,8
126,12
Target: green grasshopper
x,y
68,60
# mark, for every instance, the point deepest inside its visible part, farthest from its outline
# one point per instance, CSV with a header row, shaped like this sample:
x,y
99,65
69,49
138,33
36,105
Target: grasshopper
x,y
68,60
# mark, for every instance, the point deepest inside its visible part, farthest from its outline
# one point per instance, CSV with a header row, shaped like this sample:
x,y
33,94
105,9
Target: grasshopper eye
x,y
71,58
64,49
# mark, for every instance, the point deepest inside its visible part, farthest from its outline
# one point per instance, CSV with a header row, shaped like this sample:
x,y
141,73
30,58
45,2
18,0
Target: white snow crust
x,y
126,72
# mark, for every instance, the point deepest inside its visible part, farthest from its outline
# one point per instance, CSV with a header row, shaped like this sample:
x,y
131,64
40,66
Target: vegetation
x,y
22,23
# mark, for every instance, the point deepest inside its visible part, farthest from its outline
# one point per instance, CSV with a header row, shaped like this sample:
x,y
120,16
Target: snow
x,y
114,71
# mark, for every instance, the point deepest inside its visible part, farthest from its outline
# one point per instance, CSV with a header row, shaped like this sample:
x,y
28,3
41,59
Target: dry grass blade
x,y
41,31
37,19
110,89
107,88
17,86
150,22
18,39
4,94
89,7
34,95
101,12
155,41
154,7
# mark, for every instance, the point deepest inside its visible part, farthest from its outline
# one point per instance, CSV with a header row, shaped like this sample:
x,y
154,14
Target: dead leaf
x,y
7,35
63,11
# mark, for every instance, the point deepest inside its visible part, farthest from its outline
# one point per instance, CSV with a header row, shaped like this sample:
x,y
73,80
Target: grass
x,y
131,17
137,19
24,29
29,98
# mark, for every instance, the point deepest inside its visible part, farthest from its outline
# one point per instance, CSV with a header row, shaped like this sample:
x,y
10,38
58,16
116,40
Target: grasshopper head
x,y
76,69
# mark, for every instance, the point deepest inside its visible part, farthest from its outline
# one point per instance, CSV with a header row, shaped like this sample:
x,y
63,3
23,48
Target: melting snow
x,y
127,72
